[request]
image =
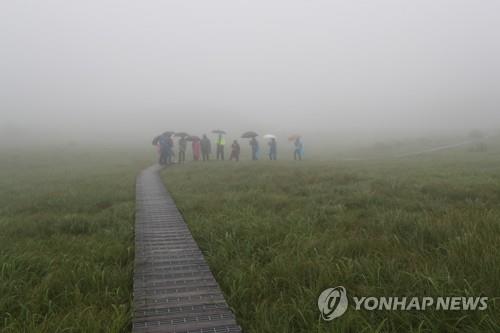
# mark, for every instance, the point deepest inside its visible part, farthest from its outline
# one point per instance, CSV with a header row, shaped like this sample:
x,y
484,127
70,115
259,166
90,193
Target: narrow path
x,y
174,289
419,152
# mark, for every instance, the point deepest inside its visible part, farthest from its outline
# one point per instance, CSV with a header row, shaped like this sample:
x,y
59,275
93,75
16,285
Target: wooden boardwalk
x,y
174,289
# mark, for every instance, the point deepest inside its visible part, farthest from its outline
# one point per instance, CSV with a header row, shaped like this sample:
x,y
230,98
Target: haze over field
x,y
129,69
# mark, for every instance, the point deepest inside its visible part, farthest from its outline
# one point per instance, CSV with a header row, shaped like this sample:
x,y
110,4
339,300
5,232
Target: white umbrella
x,y
269,136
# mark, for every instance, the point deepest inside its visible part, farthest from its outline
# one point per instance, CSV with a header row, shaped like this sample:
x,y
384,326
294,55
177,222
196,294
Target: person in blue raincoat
x,y
164,149
299,149
255,148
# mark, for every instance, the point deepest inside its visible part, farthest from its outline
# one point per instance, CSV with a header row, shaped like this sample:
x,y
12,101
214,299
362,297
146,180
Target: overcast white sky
x,y
118,66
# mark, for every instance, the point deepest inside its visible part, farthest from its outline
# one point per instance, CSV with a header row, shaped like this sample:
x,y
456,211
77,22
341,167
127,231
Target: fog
x,y
126,70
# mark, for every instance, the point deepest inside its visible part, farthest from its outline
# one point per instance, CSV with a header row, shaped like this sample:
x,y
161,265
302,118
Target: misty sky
x,y
98,66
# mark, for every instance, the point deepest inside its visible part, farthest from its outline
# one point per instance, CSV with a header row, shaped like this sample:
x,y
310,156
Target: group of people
x,y
202,148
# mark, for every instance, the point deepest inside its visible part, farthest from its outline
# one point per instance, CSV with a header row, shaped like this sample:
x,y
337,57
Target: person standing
x,y
220,147
206,148
255,148
299,149
170,149
235,151
196,146
182,149
163,143
273,149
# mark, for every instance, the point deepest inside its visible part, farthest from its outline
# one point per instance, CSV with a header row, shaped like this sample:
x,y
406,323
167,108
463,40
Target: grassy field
x,y
277,233
66,239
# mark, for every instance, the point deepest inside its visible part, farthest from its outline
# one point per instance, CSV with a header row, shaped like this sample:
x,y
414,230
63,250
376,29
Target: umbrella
x,y
218,131
269,136
181,134
155,140
293,137
249,134
193,138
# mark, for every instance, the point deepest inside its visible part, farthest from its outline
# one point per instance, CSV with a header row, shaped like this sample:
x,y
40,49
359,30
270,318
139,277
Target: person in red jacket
x,y
196,145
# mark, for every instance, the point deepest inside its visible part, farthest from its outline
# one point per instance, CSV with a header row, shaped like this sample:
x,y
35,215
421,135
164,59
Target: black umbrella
x,y
193,138
218,131
249,134
181,134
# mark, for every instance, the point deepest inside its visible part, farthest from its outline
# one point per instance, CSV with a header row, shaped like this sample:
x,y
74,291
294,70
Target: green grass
x,y
66,239
277,233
